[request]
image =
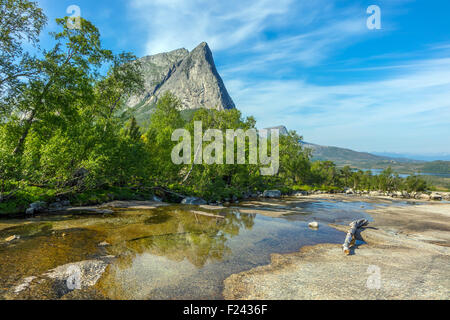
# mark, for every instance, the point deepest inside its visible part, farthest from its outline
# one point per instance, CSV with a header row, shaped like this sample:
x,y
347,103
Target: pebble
x,y
313,225
14,237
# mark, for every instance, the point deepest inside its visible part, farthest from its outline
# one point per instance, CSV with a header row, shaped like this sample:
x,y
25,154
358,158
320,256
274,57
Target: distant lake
x,y
405,175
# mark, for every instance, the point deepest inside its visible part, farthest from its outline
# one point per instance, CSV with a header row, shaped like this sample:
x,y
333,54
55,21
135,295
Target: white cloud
x,y
315,33
312,30
185,23
408,110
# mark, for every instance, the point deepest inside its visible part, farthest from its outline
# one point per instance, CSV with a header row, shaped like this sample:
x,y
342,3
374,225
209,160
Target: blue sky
x,y
311,65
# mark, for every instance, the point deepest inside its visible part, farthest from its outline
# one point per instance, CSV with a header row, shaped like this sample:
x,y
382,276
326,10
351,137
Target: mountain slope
x,y
191,76
364,160
347,156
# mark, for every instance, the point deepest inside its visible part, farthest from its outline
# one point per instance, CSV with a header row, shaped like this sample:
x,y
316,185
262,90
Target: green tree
x,y
65,78
132,130
20,20
295,164
164,120
415,183
324,173
223,180
346,176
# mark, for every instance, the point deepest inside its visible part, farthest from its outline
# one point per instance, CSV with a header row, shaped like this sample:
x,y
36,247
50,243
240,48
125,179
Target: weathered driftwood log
x,y
353,234
207,214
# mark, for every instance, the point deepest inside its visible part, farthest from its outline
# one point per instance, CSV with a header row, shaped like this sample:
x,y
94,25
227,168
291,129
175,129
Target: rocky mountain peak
x,y
191,76
282,129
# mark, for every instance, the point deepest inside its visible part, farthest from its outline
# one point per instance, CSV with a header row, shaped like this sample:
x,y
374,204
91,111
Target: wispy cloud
x,y
394,100
308,49
185,23
417,100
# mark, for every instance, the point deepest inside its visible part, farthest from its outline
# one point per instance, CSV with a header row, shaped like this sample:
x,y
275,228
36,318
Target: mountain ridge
x,y
191,76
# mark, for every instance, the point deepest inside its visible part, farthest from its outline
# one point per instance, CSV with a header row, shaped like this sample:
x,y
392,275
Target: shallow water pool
x,y
172,252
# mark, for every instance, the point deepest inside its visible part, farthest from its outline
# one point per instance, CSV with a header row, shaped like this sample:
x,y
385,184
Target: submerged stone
x,y
194,200
313,225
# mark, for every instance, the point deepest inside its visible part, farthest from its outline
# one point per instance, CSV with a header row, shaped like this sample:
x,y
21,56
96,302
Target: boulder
x,y
272,194
66,278
39,205
422,196
78,275
36,207
55,206
299,193
436,196
349,191
313,225
194,200
397,194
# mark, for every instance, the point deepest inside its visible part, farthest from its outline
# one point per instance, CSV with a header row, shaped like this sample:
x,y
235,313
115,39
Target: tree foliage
x,y
20,20
64,125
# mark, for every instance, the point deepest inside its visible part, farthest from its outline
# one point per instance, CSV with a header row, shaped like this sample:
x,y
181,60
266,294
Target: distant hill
x,y
364,160
423,157
344,156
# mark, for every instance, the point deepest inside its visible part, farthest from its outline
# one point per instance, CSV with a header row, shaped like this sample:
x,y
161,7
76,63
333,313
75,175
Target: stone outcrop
x,y
194,201
62,279
272,194
190,76
36,207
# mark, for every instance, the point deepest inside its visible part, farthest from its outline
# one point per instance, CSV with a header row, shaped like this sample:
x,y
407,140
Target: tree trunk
x,y
353,234
39,103
26,130
192,165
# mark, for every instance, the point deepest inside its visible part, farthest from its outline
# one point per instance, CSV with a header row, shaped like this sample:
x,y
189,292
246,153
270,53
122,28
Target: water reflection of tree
x,y
196,238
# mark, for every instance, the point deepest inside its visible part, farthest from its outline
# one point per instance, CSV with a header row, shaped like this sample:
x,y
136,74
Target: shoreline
x,y
400,247
103,207
409,246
